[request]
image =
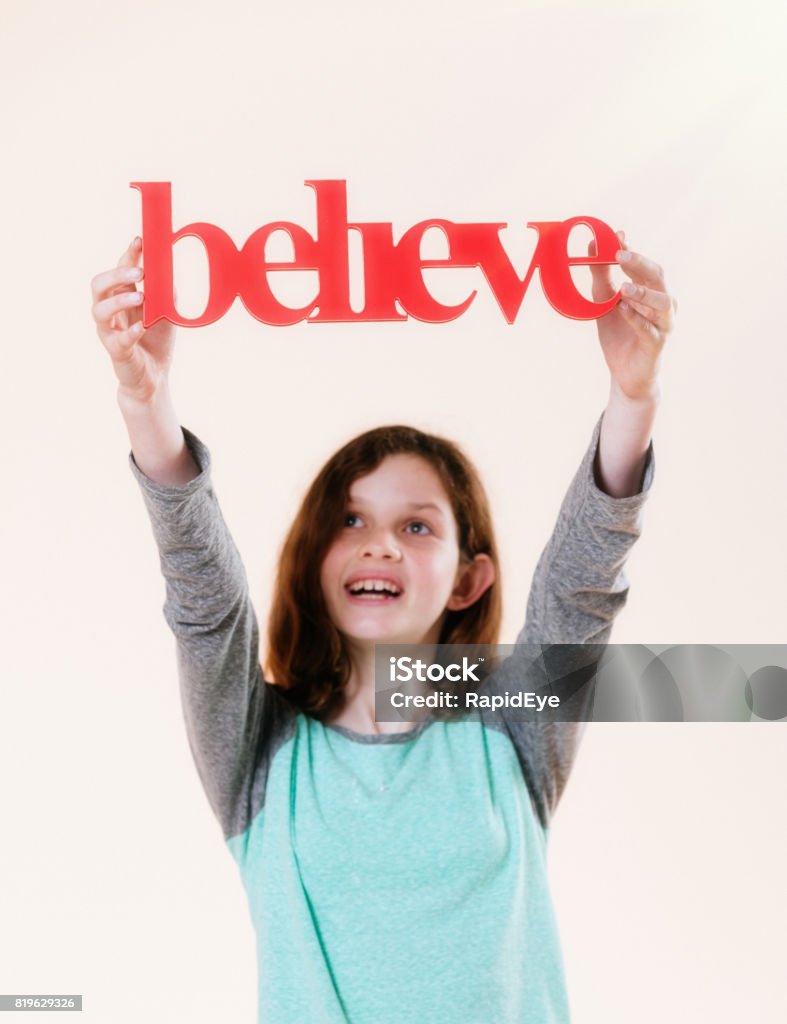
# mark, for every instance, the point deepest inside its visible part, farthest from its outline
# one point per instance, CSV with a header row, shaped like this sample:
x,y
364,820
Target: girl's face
x,y
395,566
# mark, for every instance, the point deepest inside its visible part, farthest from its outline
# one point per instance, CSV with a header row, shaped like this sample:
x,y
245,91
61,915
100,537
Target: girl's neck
x,y
358,710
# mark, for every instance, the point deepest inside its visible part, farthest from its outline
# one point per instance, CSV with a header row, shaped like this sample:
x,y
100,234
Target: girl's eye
x,y
352,520
418,528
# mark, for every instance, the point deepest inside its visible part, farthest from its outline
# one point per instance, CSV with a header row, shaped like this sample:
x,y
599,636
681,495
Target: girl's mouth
x,y
373,589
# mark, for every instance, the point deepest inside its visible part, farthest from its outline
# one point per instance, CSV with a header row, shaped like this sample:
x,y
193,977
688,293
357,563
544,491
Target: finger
x,y
125,276
603,288
662,325
660,301
127,358
642,326
642,270
121,344
656,306
104,310
647,312
131,256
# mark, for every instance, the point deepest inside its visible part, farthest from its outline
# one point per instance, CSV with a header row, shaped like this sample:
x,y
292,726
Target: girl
x,y
395,873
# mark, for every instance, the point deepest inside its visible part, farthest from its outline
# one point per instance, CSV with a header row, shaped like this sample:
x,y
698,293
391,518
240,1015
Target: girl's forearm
x,y
157,441
623,441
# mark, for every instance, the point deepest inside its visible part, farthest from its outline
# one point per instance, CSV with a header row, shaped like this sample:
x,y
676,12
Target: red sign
x,y
392,271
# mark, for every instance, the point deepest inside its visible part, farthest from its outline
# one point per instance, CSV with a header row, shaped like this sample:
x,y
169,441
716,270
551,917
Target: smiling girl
x,y
395,873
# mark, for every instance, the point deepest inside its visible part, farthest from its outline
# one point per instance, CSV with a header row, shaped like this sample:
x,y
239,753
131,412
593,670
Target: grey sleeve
x,y
578,588
233,717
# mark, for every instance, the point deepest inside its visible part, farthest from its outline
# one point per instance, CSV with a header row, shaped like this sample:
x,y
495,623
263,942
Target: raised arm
x,y
632,337
579,585
141,360
232,717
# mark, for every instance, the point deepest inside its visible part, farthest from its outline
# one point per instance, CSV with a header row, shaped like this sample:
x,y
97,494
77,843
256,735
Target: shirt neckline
x,y
381,738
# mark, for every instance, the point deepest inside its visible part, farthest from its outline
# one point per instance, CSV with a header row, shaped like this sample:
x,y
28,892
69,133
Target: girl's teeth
x,y
374,587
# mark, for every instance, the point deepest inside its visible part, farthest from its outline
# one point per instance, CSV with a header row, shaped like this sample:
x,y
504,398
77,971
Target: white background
x,y
667,854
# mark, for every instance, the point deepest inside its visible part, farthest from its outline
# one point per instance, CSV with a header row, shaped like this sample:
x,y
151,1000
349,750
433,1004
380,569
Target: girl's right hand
x,y
140,358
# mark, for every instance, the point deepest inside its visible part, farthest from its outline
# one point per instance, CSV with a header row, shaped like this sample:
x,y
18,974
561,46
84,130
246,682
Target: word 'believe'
x,y
392,272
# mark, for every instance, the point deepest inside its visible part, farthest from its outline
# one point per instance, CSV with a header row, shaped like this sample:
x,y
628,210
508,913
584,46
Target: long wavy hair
x,y
307,656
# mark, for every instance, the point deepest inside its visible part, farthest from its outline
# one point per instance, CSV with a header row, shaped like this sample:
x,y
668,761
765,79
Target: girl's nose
x,y
380,544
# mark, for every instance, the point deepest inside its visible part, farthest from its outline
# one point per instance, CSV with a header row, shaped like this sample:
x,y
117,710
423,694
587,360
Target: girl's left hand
x,y
633,333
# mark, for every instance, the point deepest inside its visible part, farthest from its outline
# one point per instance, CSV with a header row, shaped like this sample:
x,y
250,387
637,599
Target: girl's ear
x,y
473,580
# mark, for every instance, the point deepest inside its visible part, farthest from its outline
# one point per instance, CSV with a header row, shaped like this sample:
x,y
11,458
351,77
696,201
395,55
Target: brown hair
x,y
307,656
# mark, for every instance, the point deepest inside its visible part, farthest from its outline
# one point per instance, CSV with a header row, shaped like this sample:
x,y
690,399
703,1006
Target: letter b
x,y
158,240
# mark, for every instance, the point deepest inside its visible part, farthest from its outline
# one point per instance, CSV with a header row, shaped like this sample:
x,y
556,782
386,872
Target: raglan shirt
x,y
395,878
